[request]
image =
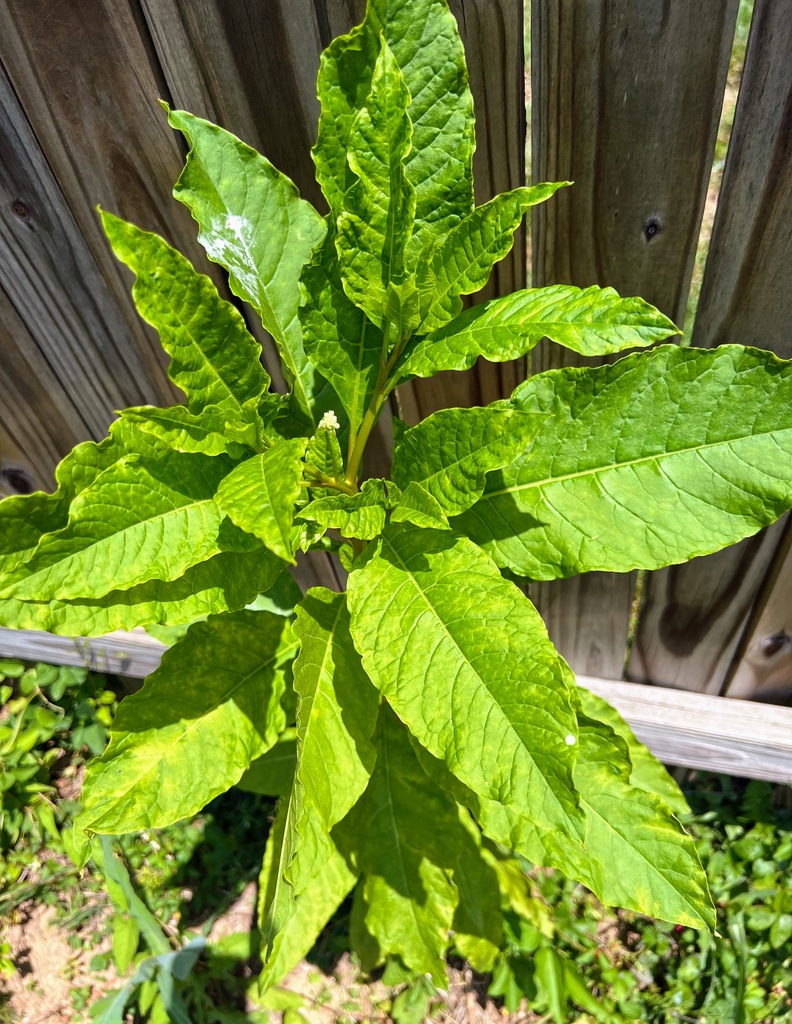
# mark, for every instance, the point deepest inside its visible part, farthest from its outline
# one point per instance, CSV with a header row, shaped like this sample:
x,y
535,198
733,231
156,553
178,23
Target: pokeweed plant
x,y
421,725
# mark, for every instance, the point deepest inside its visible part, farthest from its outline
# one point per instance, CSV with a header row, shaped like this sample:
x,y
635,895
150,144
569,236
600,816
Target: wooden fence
x,y
626,100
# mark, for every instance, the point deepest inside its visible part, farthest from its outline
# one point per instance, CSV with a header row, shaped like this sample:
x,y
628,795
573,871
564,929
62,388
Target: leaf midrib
x,y
467,662
643,460
9,591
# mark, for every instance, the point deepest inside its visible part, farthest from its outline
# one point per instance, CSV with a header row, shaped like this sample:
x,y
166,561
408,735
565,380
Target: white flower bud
x,y
329,421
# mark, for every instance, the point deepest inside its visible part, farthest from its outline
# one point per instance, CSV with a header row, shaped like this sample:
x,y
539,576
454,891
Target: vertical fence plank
x,y
693,625
625,103
54,284
84,78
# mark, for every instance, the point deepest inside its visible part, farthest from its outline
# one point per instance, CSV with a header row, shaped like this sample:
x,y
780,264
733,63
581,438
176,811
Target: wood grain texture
x,y
54,283
85,78
694,626
764,669
37,416
625,103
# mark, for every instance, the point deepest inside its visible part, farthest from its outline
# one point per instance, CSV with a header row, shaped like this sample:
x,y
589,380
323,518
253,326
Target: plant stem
x,y
382,389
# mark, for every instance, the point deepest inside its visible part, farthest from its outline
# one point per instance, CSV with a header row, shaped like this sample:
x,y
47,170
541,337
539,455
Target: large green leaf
x,y
591,321
453,647
376,222
208,711
259,495
653,460
308,913
226,582
343,345
253,222
424,38
215,361
461,262
212,431
336,715
478,924
360,515
658,871
449,454
398,836
141,519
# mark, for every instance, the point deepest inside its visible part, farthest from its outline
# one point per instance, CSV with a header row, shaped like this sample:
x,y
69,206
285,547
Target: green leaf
x,y
460,263
141,519
273,772
397,836
376,222
323,457
260,494
659,872
361,515
650,461
211,431
425,42
450,452
417,506
647,772
477,925
450,643
336,715
215,360
208,711
226,582
253,222
591,321
308,913
551,979
343,345
126,936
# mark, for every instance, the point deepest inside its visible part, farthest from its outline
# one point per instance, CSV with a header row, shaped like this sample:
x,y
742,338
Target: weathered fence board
x,y
693,625
765,669
625,103
54,283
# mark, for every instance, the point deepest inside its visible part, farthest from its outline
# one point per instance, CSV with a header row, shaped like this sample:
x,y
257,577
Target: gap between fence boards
x,y
693,730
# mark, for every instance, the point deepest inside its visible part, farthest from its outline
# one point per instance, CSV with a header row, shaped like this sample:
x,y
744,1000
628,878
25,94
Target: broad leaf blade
x,y
379,207
310,911
449,642
224,583
659,872
449,454
215,361
140,520
339,339
425,42
461,262
272,774
650,461
208,711
336,715
210,431
253,222
361,515
590,321
260,494
395,836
